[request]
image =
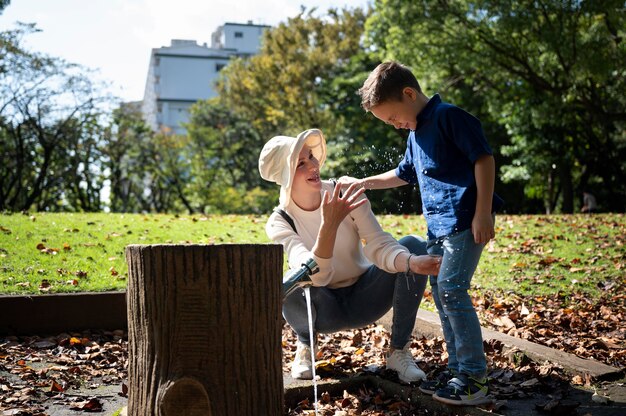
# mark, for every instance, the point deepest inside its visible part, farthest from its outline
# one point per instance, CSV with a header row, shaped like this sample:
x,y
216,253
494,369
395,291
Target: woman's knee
x,y
415,244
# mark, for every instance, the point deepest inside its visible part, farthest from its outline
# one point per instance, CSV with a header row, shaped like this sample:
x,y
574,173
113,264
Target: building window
x,y
219,67
239,34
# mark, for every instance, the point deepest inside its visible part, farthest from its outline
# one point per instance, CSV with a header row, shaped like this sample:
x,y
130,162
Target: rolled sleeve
x,y
379,246
406,168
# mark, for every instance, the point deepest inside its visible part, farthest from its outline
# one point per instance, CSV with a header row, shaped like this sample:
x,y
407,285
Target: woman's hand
x,y
335,207
334,210
427,264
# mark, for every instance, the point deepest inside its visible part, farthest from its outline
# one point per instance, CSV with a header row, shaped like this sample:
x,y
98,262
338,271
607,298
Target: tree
x,y
223,149
363,145
147,171
123,149
306,75
277,91
549,72
49,126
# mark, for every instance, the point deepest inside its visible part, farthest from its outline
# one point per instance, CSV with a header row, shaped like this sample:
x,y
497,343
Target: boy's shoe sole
x,y
470,401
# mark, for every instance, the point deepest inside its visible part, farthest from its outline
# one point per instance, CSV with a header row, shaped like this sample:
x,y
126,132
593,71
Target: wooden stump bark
x,y
204,329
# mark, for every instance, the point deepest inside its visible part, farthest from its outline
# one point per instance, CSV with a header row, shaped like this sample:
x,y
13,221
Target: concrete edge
x,y
66,312
429,325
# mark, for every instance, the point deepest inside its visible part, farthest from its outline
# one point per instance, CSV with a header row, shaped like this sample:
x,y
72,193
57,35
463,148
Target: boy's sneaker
x,y
464,391
441,381
301,367
403,363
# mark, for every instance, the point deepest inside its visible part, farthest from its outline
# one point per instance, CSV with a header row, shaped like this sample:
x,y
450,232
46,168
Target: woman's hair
x,y
386,83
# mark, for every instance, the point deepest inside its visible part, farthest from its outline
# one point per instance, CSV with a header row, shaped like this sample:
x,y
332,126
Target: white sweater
x,y
360,242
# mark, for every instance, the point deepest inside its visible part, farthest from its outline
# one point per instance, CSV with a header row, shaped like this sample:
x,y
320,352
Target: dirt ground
x,y
71,374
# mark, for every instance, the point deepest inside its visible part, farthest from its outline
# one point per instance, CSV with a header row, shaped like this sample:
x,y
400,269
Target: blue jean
x,y
461,328
363,303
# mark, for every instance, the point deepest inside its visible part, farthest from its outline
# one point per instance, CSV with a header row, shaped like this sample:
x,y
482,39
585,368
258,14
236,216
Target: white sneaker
x,y
402,362
301,367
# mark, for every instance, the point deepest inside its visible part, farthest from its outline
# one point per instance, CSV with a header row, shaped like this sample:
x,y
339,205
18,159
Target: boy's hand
x,y
348,180
482,228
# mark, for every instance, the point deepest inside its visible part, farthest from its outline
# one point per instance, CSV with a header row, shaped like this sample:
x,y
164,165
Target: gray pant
x,y
363,303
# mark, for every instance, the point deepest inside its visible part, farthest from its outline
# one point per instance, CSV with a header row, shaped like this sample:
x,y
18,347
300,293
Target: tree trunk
x,y
204,329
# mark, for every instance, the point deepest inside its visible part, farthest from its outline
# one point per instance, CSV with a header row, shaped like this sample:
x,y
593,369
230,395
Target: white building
x,y
185,72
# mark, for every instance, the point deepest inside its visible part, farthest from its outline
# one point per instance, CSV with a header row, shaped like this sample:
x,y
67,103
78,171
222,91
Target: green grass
x,y
86,251
543,255
532,255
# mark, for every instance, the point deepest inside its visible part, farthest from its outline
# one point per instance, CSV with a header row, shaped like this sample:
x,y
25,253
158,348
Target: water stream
x,y
307,295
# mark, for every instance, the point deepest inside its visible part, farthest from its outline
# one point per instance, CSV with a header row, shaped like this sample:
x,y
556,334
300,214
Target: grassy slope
x,y
85,252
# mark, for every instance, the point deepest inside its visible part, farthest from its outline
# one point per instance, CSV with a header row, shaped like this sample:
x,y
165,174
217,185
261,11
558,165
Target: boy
x,y
448,156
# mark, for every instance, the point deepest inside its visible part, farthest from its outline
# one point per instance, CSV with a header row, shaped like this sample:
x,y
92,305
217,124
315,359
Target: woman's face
x,y
307,177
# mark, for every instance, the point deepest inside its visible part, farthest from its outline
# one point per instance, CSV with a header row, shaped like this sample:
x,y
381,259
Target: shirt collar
x,y
428,109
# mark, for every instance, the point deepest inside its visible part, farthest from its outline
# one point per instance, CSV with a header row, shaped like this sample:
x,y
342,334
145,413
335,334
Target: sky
x,y
115,37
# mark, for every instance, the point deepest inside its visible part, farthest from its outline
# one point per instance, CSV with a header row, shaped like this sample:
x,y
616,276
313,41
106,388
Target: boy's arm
x,y
482,224
385,180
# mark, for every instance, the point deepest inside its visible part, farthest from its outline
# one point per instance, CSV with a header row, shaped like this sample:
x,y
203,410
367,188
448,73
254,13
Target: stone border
x,y
429,325
57,313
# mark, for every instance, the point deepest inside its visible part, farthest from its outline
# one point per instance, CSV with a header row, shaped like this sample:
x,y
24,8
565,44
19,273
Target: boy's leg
x,y
469,386
460,259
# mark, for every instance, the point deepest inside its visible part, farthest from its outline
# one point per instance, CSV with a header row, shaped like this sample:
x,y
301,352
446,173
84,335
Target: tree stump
x,y
204,329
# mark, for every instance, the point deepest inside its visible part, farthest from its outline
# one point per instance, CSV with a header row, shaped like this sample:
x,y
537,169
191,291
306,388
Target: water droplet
x,y
307,295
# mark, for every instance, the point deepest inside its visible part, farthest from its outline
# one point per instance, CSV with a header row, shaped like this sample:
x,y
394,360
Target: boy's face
x,y
400,114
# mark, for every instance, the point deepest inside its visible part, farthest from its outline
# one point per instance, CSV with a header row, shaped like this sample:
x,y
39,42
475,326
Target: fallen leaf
x,y
91,405
56,387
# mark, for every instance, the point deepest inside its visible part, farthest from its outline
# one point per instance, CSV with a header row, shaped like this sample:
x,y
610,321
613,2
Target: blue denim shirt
x,y
440,156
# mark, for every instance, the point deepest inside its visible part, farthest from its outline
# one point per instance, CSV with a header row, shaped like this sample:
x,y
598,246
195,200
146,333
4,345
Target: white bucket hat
x,y
279,157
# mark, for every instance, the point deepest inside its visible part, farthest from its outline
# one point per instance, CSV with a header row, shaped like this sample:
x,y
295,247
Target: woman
x,y
363,271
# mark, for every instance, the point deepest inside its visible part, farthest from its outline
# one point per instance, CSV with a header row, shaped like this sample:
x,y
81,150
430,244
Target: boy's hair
x,y
385,83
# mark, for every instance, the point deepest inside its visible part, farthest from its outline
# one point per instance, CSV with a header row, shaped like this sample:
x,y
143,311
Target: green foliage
x,y
551,73
224,150
306,76
148,171
278,90
123,146
50,125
